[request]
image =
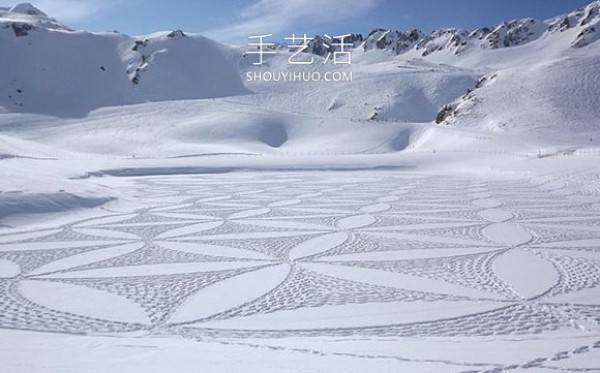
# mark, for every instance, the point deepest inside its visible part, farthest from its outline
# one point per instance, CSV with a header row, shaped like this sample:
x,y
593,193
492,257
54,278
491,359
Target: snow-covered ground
x,y
389,270
159,212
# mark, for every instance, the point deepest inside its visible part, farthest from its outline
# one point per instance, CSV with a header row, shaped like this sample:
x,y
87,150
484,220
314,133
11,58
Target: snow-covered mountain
x,y
47,68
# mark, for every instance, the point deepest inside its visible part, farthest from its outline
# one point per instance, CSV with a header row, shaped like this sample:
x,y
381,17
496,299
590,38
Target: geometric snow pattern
x,y
389,239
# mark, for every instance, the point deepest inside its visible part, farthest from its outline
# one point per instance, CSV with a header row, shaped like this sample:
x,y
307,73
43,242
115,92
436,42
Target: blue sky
x,y
233,20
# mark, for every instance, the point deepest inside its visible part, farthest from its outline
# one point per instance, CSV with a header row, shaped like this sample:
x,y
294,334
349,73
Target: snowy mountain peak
x,y
24,17
28,9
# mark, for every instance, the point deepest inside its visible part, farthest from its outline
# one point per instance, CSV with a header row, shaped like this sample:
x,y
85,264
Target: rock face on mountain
x,y
47,68
395,41
513,33
454,40
322,45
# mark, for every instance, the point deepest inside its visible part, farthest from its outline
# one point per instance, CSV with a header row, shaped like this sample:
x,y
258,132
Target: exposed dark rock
x,y
444,113
176,33
21,29
480,33
583,38
139,43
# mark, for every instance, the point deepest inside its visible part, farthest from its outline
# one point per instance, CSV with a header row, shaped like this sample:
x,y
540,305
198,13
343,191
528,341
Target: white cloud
x,y
73,10
274,16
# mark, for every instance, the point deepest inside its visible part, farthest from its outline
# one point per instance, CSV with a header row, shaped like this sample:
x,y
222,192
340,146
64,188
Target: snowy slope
x,y
179,128
397,90
48,69
556,98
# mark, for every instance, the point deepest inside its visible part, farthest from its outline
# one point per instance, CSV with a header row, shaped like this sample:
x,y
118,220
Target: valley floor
x,y
392,269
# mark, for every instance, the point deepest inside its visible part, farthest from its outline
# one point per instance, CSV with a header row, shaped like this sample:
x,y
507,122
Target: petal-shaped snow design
x,y
171,207
354,315
479,195
397,280
527,274
88,257
310,195
213,250
105,220
83,301
106,233
582,199
230,293
379,207
495,215
155,269
487,203
19,236
287,202
553,185
429,238
592,242
411,227
506,234
8,269
283,224
404,254
387,199
185,216
52,245
318,245
189,229
356,221
250,235
249,213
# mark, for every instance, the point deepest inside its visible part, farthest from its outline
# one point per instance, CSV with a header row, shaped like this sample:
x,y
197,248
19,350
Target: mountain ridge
x,y
503,35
